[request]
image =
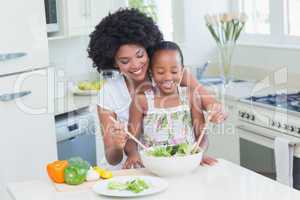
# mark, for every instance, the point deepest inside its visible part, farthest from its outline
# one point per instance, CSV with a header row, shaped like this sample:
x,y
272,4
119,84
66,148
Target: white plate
x,y
156,185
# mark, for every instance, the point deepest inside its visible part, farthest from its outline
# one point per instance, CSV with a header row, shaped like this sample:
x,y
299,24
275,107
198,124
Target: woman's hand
x,y
118,135
217,112
133,161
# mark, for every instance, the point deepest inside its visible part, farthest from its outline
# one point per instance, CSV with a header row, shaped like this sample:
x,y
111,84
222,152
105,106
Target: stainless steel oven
x,y
257,151
261,120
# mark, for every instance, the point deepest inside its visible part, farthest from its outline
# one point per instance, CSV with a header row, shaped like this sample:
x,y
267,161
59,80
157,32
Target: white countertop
x,y
234,91
225,180
71,102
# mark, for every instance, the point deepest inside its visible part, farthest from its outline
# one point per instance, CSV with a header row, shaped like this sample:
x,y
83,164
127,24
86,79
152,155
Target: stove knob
x,y
298,130
272,123
286,127
252,117
278,124
243,114
248,116
291,128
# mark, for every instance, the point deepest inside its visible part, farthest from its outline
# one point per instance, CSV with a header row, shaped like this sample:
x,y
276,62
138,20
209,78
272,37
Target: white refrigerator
x,y
27,131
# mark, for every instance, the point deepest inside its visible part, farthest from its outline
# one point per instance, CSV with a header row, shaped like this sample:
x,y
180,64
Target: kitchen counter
x,y
72,102
234,91
225,180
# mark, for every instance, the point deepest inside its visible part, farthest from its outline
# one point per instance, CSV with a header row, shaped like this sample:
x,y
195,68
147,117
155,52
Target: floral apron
x,y
168,126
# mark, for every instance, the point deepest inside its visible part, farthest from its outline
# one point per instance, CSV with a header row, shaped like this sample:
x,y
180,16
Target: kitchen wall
x,y
70,56
268,58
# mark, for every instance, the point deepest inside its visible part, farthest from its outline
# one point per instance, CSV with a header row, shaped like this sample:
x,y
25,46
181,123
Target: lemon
x,y
99,170
106,174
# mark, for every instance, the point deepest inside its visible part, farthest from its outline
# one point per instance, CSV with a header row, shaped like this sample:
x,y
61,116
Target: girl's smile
x,y
167,71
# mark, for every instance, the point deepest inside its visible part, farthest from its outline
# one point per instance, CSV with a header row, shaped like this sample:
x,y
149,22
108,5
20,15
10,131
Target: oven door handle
x,y
255,137
261,136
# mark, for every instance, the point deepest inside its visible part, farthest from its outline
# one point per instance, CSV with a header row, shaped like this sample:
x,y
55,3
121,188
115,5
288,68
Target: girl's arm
x,y
208,102
114,137
136,113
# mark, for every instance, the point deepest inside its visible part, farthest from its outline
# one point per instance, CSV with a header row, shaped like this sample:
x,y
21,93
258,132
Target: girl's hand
x,y
208,161
133,161
118,135
218,115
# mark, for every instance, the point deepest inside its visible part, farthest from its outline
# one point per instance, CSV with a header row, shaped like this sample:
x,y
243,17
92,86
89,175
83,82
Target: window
x,y
270,22
160,11
293,7
258,15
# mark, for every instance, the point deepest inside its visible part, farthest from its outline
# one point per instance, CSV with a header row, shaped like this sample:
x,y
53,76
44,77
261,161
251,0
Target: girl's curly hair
x,y
126,26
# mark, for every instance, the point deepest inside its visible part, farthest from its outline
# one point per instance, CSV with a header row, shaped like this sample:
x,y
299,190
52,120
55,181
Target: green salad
x,y
169,151
136,185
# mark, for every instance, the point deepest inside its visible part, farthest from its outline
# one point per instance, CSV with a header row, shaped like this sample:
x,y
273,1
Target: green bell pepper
x,y
76,172
74,175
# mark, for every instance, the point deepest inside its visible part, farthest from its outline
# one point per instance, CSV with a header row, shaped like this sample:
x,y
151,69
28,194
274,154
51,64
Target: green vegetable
x,y
116,186
168,151
183,149
76,171
79,162
136,185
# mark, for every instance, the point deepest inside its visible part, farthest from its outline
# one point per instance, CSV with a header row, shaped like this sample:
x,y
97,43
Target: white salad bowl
x,y
171,166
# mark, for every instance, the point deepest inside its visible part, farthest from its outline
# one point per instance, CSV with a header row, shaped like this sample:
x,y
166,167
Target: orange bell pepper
x,y
56,170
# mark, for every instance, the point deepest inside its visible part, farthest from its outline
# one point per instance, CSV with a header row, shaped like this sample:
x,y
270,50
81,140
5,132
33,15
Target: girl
x,y
166,113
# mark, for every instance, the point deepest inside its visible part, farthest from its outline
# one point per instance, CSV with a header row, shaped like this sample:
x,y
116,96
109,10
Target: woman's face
x,y
167,70
133,61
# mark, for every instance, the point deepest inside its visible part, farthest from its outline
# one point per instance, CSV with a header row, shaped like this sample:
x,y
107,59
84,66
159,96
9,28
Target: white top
x,y
225,180
114,96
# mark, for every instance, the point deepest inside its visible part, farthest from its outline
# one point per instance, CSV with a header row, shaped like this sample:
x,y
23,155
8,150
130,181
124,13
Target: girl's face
x,y
167,70
133,61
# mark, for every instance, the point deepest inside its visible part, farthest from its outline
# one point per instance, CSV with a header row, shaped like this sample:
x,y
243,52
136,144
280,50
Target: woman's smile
x,y
138,71
133,61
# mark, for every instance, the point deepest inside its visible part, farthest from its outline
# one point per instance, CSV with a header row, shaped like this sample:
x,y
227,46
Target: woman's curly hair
x,y
126,26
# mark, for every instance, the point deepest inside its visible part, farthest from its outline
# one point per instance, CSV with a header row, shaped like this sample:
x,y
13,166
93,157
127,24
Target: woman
x,y
122,41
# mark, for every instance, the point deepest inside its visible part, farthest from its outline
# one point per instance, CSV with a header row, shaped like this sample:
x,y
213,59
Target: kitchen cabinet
x,y
83,15
223,140
23,36
28,140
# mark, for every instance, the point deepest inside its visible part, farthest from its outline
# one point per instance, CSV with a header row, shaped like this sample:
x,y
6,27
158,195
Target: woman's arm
x,y
198,125
191,82
198,119
114,137
136,113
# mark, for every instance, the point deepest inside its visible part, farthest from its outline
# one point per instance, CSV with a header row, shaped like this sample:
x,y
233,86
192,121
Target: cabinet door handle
x,y
11,56
13,96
